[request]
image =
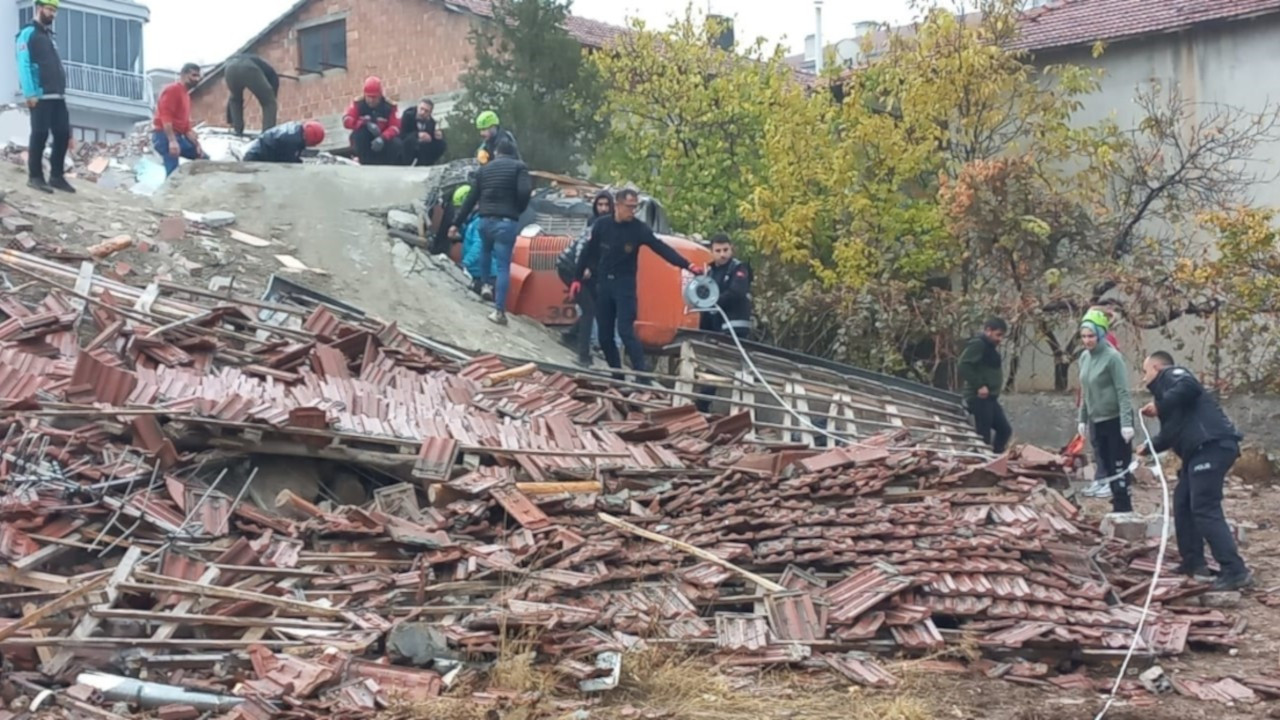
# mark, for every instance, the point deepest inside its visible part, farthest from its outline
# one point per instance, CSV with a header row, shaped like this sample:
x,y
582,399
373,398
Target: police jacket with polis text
x,y
1190,417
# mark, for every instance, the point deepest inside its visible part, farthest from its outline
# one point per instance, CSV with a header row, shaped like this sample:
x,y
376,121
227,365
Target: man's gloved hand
x,y
697,269
575,287
1083,430
377,144
1127,434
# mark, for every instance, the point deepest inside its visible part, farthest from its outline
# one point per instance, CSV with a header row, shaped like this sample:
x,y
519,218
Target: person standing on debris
x,y
285,143
471,244
567,269
174,135
611,259
252,73
424,143
981,371
374,125
733,278
502,191
492,133
44,82
1193,425
1106,414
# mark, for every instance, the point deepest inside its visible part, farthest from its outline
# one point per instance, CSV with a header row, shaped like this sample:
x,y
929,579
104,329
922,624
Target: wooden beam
x,y
32,615
186,587
685,547
88,623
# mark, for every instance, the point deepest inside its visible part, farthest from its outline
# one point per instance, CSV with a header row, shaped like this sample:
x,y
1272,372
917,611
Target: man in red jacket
x,y
374,126
174,135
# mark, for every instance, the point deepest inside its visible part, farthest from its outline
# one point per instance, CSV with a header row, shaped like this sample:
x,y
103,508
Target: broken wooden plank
x,y
88,623
247,239
697,552
187,587
35,614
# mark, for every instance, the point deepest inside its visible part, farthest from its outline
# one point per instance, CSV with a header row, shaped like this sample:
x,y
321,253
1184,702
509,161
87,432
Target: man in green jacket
x,y
981,371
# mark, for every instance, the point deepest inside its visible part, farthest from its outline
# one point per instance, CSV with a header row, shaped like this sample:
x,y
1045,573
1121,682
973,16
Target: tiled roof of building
x,y
591,33
1079,22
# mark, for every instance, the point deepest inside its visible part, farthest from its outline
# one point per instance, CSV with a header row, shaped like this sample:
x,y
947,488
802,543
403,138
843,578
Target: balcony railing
x,y
106,82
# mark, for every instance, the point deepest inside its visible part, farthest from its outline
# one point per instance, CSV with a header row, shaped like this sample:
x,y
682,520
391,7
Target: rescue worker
x,y
733,278
252,73
1106,415
424,143
174,134
501,195
285,143
610,258
491,133
1193,425
471,244
981,372
44,83
374,125
567,268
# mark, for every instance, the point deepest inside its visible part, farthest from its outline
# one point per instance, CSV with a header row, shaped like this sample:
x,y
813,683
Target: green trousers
x,y
244,75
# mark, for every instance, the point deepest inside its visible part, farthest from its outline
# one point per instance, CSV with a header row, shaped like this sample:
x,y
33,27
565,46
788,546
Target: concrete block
x,y
218,218
401,220
16,224
1221,600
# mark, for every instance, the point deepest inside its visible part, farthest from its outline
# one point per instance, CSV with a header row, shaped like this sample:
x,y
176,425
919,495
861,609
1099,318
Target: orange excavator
x,y
559,213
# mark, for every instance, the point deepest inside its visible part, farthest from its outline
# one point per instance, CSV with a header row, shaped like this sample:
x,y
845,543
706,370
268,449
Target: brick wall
x,y
417,47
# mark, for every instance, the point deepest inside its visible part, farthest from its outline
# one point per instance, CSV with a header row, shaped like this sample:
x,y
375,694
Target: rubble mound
x,y
506,501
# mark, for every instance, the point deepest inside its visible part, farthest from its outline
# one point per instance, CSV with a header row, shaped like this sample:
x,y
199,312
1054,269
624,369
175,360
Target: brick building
x,y
418,47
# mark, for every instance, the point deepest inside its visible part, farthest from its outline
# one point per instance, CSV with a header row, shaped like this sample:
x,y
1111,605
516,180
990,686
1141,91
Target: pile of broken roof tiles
x,y
507,500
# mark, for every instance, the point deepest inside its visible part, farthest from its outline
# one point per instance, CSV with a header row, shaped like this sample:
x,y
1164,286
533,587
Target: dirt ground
x,y
330,217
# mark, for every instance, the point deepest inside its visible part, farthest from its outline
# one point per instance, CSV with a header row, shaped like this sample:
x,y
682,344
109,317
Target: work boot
x,y
1097,490
498,317
582,362
60,183
1239,581
39,184
1201,573
486,293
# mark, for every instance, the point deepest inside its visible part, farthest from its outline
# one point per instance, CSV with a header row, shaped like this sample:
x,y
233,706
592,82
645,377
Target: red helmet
x,y
312,133
373,85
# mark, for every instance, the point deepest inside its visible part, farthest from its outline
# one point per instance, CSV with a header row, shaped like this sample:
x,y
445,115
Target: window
x,y
99,40
111,136
323,46
84,134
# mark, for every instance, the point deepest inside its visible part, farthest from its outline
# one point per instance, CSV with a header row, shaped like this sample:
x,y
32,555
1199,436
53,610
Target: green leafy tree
x,y
684,118
531,72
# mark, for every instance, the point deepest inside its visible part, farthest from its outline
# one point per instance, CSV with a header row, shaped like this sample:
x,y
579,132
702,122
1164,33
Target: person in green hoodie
x,y
982,373
1106,413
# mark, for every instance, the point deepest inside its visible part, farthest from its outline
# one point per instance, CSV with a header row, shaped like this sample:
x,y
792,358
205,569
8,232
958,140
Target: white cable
x,y
1156,467
804,420
1155,577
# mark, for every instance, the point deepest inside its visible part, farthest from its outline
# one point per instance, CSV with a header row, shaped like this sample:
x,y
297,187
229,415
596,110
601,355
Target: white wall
x,y
8,59
1232,63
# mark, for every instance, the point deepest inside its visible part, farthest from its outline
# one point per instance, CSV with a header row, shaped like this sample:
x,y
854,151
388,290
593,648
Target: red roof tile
x,y
1081,22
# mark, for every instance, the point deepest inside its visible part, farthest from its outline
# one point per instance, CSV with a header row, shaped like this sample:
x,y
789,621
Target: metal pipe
x,y
154,695
819,55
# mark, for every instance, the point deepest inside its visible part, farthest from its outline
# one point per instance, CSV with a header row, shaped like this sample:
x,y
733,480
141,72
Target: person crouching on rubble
x,y
175,135
1193,425
374,125
567,267
471,243
285,143
501,195
1106,412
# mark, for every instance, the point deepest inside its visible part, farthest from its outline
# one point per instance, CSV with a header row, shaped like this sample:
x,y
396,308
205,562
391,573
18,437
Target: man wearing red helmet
x,y
285,143
374,126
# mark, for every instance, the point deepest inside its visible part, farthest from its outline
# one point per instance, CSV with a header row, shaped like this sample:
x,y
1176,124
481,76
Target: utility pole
x,y
819,55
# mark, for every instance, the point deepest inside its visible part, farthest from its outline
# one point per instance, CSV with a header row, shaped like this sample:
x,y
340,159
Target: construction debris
x,y
149,562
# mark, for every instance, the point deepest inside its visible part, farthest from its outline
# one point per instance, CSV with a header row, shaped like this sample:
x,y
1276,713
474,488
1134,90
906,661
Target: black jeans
x,y
388,155
48,116
616,306
990,423
587,314
1111,456
426,154
1197,509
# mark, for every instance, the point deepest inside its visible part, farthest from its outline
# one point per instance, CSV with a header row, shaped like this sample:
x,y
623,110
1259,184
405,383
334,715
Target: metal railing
x,y
106,82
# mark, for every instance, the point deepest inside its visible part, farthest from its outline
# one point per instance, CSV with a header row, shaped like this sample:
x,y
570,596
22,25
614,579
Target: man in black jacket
x,y
1193,425
733,278
982,374
500,195
44,84
285,143
611,259
579,336
424,143
252,73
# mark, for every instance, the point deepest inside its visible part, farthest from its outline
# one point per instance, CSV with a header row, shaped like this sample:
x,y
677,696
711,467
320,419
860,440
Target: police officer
x,y
1193,425
610,259
733,278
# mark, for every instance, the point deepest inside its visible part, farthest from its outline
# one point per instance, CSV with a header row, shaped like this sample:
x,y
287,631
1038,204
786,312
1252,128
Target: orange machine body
x,y
538,292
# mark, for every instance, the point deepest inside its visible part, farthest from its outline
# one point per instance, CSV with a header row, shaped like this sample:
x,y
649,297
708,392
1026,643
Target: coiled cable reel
x,y
701,293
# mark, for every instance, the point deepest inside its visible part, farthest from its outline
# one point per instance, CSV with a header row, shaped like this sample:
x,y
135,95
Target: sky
x,y
206,32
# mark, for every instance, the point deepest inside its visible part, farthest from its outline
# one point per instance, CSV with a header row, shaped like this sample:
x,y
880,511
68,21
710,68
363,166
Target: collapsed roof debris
x,y
493,498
